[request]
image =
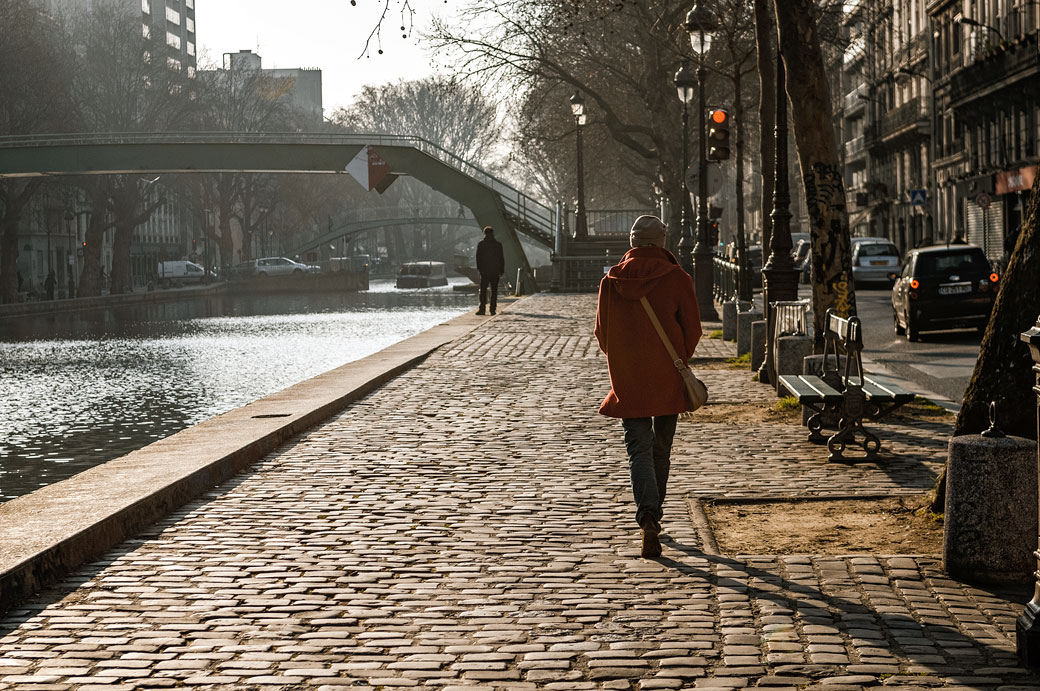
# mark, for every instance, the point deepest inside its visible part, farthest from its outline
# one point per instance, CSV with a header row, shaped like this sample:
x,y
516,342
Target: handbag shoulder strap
x,y
679,364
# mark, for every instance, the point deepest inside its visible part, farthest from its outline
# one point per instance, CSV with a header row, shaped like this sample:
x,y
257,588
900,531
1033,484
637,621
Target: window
x,y
146,31
173,63
173,16
191,48
189,23
190,4
146,6
173,40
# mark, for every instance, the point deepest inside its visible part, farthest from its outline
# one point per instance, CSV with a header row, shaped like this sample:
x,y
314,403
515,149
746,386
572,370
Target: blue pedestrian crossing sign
x,y
918,197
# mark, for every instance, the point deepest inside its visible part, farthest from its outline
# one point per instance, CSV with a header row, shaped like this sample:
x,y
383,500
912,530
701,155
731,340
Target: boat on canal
x,y
422,275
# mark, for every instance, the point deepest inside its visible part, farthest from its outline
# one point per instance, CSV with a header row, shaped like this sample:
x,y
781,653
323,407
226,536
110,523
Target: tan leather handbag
x,y
696,391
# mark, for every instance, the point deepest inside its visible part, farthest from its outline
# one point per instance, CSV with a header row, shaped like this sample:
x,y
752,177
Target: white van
x,y
179,273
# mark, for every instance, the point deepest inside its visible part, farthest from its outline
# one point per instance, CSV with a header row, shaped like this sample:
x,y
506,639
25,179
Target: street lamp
x,y
780,276
70,261
685,85
968,21
581,228
700,24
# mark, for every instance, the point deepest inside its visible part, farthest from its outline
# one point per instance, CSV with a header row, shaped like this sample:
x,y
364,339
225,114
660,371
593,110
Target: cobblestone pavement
x,y
470,525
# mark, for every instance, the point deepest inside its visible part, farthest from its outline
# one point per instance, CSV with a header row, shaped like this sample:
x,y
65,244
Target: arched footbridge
x,y
493,201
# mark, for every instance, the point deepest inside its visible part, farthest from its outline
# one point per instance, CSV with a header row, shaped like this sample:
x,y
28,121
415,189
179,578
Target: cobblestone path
x,y
470,525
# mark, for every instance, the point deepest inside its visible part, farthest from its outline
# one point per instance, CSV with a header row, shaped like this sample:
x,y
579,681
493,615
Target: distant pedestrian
x,y
646,390
49,283
491,264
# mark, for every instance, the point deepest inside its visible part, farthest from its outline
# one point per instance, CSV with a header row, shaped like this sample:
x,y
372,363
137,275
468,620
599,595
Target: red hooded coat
x,y
643,378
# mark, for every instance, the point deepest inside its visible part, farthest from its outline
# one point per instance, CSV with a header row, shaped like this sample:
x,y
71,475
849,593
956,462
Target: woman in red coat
x,y
646,391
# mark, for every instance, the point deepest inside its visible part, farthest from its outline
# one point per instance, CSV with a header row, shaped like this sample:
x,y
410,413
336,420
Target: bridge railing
x,y
540,216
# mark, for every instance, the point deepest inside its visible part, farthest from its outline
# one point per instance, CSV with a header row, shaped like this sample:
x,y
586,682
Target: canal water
x,y
79,389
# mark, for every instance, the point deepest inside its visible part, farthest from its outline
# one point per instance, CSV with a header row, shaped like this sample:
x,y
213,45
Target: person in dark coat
x,y
49,283
491,264
646,390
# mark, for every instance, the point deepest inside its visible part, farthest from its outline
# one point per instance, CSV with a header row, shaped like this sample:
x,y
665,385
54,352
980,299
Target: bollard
x,y
1027,627
730,309
744,319
517,287
758,344
789,353
990,519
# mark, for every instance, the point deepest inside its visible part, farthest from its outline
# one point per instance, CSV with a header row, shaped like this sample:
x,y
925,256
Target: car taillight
x,y
915,284
993,277
913,294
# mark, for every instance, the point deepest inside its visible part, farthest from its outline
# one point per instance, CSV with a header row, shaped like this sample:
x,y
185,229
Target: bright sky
x,y
328,34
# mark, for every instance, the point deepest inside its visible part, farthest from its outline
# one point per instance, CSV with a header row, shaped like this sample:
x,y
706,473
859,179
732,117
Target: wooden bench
x,y
848,396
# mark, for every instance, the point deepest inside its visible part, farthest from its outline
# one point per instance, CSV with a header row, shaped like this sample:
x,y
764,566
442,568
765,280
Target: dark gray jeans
x,y
649,444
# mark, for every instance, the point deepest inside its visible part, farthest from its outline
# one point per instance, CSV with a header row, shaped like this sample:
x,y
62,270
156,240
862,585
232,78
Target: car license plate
x,y
955,289
879,263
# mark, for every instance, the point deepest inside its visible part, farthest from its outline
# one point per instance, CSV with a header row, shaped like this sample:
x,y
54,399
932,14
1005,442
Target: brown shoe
x,y
651,543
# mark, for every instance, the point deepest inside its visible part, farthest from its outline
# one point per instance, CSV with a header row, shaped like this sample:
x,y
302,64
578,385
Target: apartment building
x,y
941,119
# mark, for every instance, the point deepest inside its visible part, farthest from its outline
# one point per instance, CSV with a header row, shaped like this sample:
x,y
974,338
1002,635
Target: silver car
x,y
874,260
280,266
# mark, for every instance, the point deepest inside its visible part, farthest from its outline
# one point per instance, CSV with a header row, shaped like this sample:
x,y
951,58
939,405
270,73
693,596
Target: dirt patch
x,y
886,526
748,413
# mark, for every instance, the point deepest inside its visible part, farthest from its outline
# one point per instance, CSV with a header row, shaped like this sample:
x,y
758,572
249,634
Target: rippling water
x,y
80,389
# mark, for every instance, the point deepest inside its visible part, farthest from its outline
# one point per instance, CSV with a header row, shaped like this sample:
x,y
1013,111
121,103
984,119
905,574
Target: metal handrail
x,y
539,215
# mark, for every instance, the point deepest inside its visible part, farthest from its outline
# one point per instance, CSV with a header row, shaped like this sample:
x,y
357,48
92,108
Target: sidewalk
x,y
470,525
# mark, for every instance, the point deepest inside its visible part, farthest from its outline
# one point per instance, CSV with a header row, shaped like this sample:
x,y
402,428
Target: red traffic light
x,y
719,116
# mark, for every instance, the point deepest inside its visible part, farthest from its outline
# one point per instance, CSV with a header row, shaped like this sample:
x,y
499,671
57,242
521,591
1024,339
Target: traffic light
x,y
718,135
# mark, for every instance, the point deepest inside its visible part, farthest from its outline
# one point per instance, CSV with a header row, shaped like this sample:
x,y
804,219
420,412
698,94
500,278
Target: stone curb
x,y
32,309
46,534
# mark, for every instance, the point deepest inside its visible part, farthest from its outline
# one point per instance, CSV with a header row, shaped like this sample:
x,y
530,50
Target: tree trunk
x,y
764,31
90,278
1004,370
15,197
122,278
822,177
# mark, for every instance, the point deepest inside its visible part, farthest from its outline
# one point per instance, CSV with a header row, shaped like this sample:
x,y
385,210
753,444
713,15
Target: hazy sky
x,y
328,34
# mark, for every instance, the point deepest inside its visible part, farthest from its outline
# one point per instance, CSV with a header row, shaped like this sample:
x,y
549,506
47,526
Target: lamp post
x,y
780,275
70,261
686,85
700,24
581,228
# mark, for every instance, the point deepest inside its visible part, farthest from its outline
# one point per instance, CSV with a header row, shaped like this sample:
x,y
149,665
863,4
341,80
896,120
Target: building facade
x,y
941,119
987,93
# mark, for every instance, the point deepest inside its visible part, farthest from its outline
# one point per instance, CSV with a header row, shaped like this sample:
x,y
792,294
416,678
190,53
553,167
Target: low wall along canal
x,y
81,388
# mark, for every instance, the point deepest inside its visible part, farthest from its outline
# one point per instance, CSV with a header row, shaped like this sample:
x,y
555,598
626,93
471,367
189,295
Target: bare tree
x,y
621,55
246,100
123,84
34,98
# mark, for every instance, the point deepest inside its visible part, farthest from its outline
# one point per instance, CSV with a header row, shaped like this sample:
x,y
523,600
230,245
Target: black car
x,y
943,287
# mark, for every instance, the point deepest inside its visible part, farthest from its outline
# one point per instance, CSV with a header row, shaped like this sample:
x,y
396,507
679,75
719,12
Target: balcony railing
x,y
1010,63
910,113
856,146
856,100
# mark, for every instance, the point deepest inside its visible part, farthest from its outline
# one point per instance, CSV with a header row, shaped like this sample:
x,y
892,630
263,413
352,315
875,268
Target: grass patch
x,y
741,361
717,334
925,404
786,404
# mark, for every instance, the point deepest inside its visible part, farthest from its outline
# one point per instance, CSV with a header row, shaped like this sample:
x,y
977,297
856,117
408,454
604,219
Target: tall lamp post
x,y
70,260
700,23
581,228
780,275
686,85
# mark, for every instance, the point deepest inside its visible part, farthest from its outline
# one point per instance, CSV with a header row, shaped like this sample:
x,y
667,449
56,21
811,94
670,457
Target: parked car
x,y
943,287
280,266
874,260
